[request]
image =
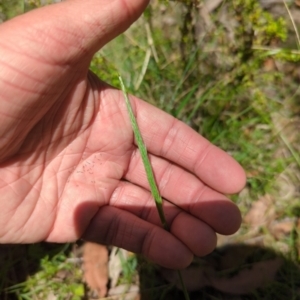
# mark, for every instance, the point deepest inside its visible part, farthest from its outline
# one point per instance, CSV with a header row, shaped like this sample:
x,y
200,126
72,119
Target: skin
x,y
69,165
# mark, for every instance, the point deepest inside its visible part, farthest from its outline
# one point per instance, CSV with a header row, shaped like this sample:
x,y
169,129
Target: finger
x,y
173,140
195,234
216,211
74,29
198,236
46,53
120,228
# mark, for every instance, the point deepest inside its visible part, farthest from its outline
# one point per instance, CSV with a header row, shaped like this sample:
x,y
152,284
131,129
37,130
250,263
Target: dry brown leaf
x,y
269,65
283,228
261,213
95,267
51,296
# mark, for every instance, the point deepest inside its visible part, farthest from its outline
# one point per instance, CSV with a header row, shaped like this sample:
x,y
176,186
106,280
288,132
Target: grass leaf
x,y
149,172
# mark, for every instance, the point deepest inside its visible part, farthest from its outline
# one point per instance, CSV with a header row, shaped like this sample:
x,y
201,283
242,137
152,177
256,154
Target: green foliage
x,y
105,69
57,276
11,8
129,266
286,55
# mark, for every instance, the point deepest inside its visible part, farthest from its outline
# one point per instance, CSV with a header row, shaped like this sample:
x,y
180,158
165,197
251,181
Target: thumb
x,y
73,29
45,53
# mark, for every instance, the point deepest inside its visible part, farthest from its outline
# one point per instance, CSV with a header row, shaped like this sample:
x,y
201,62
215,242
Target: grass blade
x,y
145,159
149,172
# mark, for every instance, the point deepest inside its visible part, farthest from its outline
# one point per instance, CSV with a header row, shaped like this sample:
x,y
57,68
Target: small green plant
x,y
129,266
57,278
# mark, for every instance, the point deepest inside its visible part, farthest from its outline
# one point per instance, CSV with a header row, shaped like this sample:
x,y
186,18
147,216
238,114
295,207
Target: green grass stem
x,y
145,158
149,172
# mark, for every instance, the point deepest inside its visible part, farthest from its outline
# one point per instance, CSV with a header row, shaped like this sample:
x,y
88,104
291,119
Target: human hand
x,y
69,165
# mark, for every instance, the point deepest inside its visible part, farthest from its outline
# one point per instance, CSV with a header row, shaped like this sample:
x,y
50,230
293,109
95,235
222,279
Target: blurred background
x,y
230,70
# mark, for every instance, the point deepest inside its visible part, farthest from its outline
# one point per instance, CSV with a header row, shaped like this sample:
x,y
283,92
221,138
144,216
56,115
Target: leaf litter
x,y
95,267
103,272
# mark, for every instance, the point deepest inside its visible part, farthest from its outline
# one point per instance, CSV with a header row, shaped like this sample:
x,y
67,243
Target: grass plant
x,y
149,172
144,154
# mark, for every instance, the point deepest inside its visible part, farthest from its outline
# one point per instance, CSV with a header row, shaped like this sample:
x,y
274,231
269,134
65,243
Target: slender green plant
x,y
145,159
149,172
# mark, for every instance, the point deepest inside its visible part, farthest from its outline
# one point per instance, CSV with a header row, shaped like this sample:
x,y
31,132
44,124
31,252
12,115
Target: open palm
x,y
69,165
